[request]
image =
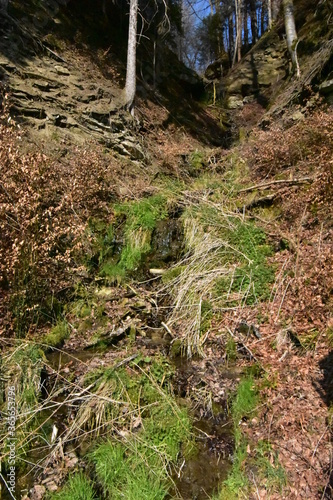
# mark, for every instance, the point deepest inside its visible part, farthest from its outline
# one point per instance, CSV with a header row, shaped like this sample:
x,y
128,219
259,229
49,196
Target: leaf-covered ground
x,y
58,204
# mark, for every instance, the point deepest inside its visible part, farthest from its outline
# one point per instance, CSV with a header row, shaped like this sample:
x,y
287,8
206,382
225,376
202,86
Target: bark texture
x,y
254,23
130,86
291,34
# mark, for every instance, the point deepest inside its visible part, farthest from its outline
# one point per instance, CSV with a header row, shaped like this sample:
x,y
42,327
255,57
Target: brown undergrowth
x,y
46,203
296,323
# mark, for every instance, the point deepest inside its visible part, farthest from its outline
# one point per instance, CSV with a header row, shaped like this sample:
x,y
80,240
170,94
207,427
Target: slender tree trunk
x,y
239,35
211,5
291,33
237,51
275,8
254,24
262,19
181,37
231,37
245,27
269,11
227,36
220,28
130,86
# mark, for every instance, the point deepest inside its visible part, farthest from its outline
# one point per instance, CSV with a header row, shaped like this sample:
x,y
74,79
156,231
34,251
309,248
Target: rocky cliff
x,y
265,71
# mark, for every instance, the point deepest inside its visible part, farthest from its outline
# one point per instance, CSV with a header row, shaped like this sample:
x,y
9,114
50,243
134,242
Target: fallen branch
x,y
303,180
126,360
53,54
165,326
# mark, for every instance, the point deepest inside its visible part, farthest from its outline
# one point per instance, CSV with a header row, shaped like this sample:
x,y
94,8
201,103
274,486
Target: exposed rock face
x,y
263,67
54,95
326,88
218,68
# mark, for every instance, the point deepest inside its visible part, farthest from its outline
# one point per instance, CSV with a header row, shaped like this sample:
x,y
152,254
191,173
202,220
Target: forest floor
x,y
98,241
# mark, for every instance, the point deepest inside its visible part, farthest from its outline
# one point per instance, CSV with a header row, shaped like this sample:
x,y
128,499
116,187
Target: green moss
x,y
137,221
243,405
237,480
168,429
114,272
254,275
132,254
263,458
101,241
172,273
176,348
84,311
27,354
57,335
143,214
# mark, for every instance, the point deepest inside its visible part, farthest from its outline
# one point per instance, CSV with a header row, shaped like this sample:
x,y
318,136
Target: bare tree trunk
x,y
211,5
130,86
262,19
231,37
254,23
291,33
240,24
245,27
237,51
269,10
275,8
220,29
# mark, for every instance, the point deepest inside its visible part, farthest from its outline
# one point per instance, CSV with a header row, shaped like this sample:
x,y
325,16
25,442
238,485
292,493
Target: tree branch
x,y
303,180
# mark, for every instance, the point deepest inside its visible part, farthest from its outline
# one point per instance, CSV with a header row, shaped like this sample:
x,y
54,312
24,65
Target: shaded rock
x,y
44,86
61,70
264,66
326,87
132,149
218,68
297,116
30,112
8,66
235,102
116,125
106,293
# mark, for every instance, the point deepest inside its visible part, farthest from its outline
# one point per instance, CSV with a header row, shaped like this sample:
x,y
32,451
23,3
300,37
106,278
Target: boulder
x,y
326,89
235,102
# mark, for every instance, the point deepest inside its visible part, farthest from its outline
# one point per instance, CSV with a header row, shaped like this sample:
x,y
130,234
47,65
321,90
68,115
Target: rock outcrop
x,y
260,70
53,94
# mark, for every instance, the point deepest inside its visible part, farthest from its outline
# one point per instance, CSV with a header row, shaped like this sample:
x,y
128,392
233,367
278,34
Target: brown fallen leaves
x,y
296,324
